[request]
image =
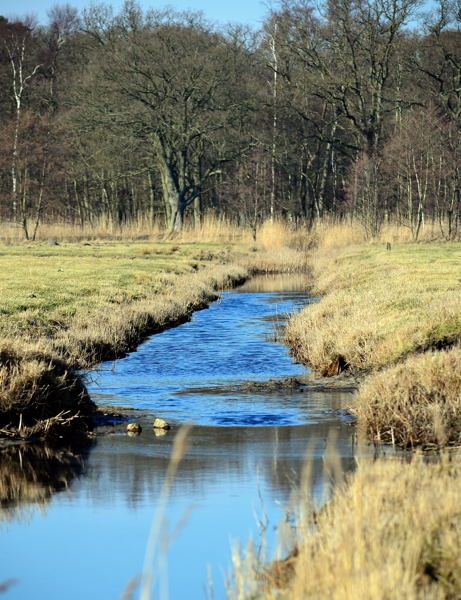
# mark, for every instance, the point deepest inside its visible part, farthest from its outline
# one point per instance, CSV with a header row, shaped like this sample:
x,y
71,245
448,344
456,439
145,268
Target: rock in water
x,y
134,428
160,424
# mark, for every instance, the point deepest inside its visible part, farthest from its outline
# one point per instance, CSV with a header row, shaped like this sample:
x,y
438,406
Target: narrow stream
x,y
78,522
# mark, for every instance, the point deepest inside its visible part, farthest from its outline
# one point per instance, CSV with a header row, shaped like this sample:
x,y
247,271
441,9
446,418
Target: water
x,y
175,373
77,524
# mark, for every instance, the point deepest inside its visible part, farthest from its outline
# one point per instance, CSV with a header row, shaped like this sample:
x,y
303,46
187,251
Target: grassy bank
x,y
69,306
390,320
392,530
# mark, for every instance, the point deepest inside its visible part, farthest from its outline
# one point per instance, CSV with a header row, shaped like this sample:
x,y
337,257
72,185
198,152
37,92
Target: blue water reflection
x,y
228,343
245,457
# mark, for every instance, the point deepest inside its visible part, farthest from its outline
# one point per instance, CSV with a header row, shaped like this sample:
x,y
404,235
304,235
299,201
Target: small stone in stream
x,y
160,424
134,428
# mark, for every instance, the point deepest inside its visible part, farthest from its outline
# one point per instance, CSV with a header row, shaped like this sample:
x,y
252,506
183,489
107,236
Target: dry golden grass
x,y
331,234
393,532
36,385
385,317
101,229
283,260
211,229
378,306
274,235
417,402
214,229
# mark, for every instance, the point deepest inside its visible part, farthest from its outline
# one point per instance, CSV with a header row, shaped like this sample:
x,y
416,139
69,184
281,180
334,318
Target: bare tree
x,y
345,58
181,89
18,45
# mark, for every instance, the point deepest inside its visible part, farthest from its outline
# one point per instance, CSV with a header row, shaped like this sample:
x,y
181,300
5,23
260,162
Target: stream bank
x,y
255,418
53,404
391,320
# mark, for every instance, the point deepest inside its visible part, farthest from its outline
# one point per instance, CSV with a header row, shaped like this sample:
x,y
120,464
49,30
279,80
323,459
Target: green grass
x,y
39,284
75,304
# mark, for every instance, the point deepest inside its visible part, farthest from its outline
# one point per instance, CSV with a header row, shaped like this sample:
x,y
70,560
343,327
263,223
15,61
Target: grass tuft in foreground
x,y
392,531
414,403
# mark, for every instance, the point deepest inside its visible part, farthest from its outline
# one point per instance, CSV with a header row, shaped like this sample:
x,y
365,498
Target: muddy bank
x,y
51,403
302,384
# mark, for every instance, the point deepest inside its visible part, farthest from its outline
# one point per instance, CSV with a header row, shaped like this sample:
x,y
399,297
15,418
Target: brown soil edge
x,y
62,411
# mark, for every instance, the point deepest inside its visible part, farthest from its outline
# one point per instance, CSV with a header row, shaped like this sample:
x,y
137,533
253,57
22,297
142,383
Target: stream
x,y
76,523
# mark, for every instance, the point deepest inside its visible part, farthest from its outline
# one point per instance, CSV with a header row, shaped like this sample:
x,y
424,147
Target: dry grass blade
x,y
157,544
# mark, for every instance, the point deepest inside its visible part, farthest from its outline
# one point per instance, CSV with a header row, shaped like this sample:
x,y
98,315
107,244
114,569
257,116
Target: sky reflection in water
x,y
226,344
245,456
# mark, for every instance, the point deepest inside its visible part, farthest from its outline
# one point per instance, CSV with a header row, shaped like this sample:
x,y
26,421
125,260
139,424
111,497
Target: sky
x,y
249,12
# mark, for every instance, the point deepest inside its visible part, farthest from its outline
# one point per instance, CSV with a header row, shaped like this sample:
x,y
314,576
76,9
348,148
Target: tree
x,y
180,88
438,60
345,59
19,52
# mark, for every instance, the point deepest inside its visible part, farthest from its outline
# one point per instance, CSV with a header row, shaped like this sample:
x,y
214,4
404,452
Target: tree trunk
x,y
171,198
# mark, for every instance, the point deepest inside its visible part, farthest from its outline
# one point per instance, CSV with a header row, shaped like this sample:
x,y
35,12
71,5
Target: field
x,y
388,320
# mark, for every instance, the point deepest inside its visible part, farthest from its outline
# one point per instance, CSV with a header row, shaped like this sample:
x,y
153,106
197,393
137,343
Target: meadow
x,y
388,320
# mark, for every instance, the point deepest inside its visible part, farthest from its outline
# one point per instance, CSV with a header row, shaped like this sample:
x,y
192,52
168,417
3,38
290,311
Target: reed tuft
x,y
414,403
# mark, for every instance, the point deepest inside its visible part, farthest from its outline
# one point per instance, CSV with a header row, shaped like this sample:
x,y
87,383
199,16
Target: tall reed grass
x,y
154,580
392,530
210,229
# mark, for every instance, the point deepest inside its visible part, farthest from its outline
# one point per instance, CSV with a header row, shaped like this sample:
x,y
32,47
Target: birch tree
x,y
18,42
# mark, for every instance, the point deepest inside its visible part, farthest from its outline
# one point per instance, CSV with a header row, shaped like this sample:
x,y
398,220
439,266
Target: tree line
x,y
349,110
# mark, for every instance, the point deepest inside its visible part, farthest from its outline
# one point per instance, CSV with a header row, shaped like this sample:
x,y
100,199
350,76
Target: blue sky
x,y
250,12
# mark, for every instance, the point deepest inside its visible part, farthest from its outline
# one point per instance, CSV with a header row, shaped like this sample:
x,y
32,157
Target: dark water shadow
x,y
31,473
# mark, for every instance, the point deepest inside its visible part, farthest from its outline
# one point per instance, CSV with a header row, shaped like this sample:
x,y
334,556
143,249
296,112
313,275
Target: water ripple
x,y
230,342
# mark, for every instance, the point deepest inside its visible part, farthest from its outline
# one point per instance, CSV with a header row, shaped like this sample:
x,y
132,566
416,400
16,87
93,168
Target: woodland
x,y
346,110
